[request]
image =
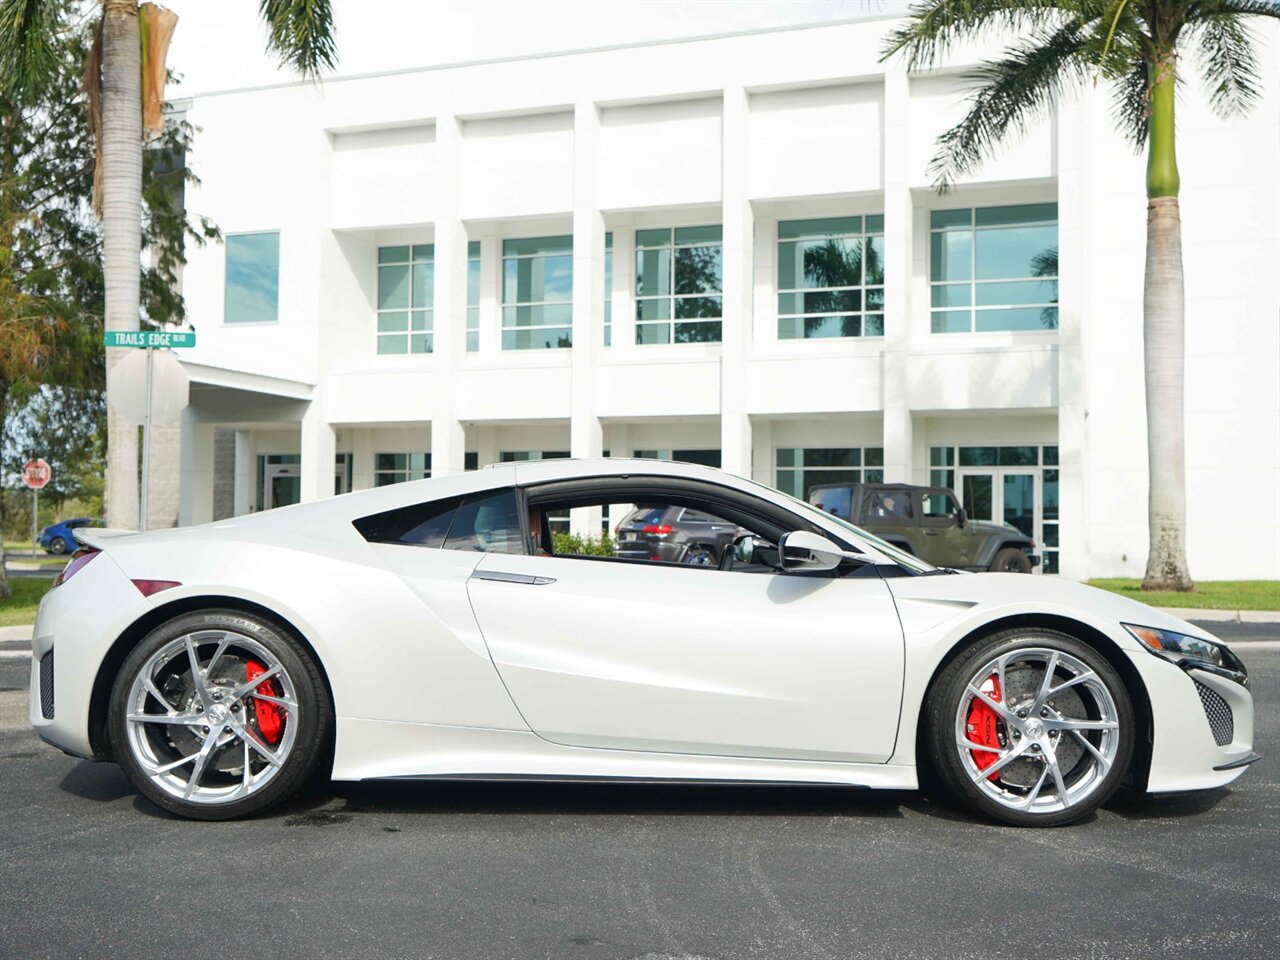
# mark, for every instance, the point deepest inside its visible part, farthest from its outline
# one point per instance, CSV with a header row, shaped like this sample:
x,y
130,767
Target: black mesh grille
x,y
1218,711
46,686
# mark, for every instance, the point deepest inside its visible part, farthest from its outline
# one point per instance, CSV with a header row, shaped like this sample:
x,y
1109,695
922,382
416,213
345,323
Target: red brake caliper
x,y
981,725
270,720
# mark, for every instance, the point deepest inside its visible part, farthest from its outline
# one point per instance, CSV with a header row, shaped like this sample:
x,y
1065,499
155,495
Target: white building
x,y
738,237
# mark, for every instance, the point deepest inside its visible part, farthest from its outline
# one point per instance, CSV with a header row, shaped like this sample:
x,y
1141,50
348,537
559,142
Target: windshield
x,y
898,556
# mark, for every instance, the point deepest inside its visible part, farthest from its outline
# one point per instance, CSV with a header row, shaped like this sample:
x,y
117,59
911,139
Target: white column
x,y
490,296
762,452
624,290
195,504
1073,201
448,438
245,473
486,439
318,445
362,458
739,255
586,435
897,426
620,440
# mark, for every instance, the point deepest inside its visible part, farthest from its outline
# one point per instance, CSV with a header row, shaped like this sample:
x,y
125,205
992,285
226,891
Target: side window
x,y
487,523
939,504
419,525
689,515
837,500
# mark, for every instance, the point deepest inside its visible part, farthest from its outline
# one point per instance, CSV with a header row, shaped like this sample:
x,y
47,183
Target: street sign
x,y
149,338
36,473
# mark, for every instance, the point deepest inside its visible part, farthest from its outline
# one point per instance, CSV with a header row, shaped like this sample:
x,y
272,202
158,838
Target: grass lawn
x,y
21,607
1208,595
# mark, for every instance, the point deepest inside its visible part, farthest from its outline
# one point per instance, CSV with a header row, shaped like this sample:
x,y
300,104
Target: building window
x,y
406,278
537,293
473,296
391,468
679,281
252,293
708,458
608,289
994,268
831,278
520,456
800,468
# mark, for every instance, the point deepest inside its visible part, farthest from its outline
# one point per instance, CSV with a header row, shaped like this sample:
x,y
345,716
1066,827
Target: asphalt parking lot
x,y
526,871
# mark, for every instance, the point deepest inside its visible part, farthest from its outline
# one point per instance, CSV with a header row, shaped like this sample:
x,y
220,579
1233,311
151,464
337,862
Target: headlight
x,y
1190,652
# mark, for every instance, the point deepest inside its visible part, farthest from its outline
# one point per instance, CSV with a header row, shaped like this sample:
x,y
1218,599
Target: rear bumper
x,y
1186,752
76,626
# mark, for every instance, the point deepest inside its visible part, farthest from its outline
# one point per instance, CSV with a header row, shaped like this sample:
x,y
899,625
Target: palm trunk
x,y
121,234
5,590
1164,348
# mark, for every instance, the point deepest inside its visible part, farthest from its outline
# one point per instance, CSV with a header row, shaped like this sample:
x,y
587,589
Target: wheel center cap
x,y
1033,728
218,713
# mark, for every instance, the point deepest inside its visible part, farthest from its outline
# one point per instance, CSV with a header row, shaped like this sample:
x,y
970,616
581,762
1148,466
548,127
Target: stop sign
x,y
36,473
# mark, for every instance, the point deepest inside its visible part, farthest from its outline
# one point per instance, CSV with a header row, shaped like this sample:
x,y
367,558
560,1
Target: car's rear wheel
x,y
1011,560
1031,727
219,714
58,546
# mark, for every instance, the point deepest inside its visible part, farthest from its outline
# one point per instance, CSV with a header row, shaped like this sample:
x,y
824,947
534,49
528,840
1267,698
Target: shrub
x,y
575,545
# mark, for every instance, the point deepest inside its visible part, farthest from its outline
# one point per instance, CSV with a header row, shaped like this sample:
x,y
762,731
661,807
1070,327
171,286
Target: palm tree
x,y
300,33
1135,46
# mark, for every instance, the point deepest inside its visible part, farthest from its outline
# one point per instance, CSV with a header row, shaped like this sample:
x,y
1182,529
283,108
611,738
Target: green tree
x,y
51,270
1135,46
300,32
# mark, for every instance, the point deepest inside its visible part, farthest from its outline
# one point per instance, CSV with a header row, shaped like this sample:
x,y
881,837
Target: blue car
x,y
58,539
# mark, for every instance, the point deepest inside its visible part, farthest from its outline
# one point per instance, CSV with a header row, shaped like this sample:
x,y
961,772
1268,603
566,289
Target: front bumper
x,y
1203,726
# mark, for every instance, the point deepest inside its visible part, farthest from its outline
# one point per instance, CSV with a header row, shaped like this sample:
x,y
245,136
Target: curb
x,y
20,632
1223,616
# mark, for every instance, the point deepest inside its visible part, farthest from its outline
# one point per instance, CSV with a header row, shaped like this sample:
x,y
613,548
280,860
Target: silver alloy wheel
x,y
207,746
1064,728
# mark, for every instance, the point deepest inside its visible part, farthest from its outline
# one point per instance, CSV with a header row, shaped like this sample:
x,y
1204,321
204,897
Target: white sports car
x,y
439,630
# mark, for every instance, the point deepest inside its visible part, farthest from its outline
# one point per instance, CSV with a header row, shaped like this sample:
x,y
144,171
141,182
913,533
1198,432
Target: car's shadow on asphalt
x,y
329,802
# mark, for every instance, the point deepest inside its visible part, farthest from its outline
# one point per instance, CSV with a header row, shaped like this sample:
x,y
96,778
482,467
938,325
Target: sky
x,y
220,44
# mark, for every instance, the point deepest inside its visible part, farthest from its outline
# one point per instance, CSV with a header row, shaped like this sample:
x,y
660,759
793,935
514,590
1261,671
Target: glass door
x,y
978,494
1018,501
283,485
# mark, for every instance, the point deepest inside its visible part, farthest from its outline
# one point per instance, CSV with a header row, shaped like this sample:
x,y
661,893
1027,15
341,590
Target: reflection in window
x,y
391,468
801,469
537,293
994,268
252,293
608,289
708,458
487,523
679,282
406,278
831,278
473,296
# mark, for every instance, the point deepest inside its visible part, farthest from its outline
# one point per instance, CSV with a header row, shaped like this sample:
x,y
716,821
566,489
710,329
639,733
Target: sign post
x,y
149,340
35,474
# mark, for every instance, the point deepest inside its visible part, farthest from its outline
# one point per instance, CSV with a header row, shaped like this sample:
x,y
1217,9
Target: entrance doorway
x,y
282,485
1001,496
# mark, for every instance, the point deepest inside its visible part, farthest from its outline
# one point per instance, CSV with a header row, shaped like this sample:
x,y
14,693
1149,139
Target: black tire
x,y
58,546
311,739
1011,560
943,703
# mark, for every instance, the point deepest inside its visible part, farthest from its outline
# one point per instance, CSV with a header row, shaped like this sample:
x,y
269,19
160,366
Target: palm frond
x,y
1120,38
1012,93
301,34
1225,53
1131,101
933,28
28,56
1251,8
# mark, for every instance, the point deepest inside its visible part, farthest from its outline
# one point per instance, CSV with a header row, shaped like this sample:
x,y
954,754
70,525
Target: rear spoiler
x,y
96,537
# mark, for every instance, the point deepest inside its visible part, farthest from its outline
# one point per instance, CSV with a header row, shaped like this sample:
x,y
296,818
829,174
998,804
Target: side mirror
x,y
961,518
752,550
801,550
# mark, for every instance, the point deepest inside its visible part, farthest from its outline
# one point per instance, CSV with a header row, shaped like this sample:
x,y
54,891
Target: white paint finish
x,y
658,154
826,138
722,663
517,166
383,177
763,666
1011,378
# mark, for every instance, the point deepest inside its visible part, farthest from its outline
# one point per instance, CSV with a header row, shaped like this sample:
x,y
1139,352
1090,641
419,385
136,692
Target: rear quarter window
x,y
487,522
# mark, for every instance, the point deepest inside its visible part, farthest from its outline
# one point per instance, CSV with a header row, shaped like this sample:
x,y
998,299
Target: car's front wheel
x,y
1031,727
219,714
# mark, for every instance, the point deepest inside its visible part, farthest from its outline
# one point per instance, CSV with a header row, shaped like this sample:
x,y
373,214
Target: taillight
x,y
78,561
661,529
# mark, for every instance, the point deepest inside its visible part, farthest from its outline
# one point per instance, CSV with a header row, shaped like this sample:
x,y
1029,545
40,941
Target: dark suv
x,y
930,523
673,535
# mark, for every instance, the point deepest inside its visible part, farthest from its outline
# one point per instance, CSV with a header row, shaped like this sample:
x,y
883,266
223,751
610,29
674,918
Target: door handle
x,y
504,577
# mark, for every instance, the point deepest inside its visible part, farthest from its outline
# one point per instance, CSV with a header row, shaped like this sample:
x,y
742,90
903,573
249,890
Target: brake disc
x,y
1022,683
